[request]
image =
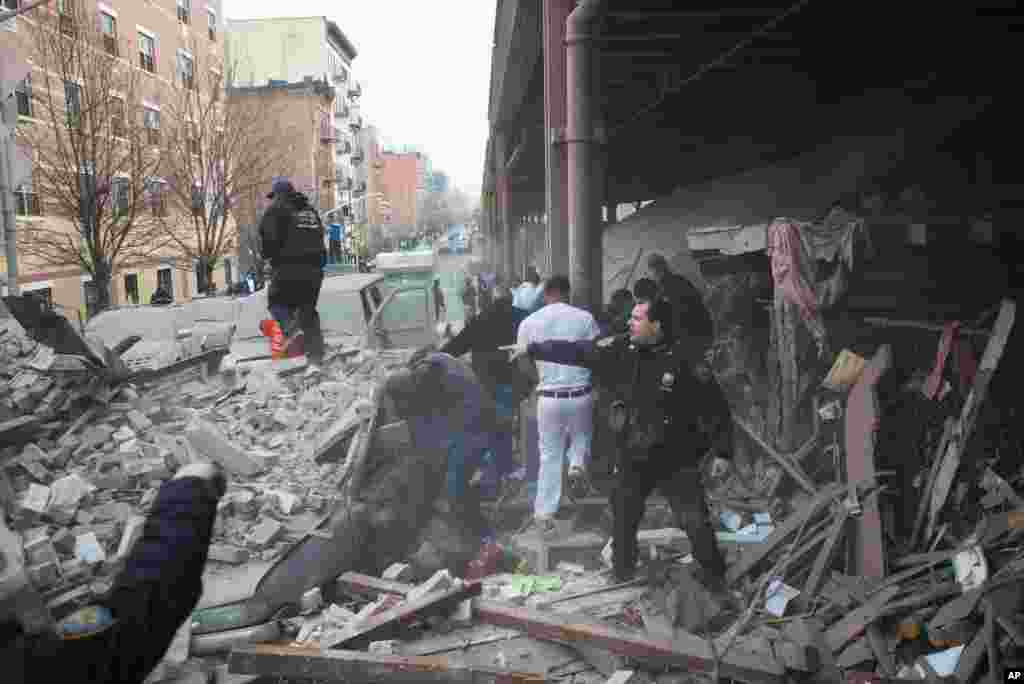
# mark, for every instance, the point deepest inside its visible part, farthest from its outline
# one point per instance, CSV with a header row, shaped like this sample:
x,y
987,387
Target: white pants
x,y
561,423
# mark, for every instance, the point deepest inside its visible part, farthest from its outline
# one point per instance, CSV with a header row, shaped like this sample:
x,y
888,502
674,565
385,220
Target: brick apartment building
x,y
155,37
303,112
282,51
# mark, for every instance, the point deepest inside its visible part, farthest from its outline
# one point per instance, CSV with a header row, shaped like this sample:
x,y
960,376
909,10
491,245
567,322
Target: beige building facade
x,y
157,38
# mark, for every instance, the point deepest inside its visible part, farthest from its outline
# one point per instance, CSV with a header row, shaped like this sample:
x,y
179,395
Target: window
x,y
229,276
120,197
92,298
117,117
66,17
131,288
43,294
164,281
156,196
108,25
26,202
9,4
185,11
192,143
151,121
186,71
73,103
147,53
23,93
212,26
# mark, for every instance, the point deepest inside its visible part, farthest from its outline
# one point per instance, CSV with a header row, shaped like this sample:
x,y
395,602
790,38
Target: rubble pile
x,y
80,496
38,385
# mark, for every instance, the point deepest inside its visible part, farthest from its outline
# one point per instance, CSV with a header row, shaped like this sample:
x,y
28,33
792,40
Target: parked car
x,y
358,306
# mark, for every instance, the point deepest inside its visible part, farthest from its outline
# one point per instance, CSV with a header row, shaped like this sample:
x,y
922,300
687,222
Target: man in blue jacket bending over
x,y
125,634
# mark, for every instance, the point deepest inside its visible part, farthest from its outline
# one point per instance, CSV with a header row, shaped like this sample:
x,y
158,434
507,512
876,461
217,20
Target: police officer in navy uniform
x,y
123,636
668,413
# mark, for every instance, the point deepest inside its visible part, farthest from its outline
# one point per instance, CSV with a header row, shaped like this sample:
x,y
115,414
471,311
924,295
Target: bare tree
x,y
90,149
215,152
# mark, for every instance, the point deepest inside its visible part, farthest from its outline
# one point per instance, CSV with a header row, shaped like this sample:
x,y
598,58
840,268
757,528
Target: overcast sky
x,y
425,69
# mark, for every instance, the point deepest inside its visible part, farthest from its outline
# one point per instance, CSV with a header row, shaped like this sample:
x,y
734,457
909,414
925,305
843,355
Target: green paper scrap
x,y
529,584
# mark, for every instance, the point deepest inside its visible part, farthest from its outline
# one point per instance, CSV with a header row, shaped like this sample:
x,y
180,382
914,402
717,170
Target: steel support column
x,y
507,265
556,12
584,196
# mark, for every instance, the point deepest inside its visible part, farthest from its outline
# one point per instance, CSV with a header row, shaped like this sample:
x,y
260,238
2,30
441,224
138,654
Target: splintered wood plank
x,y
854,624
964,426
358,667
758,552
821,564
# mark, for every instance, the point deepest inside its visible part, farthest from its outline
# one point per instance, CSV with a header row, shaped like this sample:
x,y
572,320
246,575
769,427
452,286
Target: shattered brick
x,y
223,553
40,550
265,533
64,542
44,575
208,440
133,528
139,421
36,499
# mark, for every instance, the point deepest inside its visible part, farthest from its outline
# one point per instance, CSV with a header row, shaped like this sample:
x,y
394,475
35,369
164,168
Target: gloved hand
x,y
210,473
516,351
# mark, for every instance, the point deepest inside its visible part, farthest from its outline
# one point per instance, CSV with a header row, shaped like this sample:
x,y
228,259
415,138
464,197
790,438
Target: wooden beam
x,y
685,650
759,552
861,420
854,624
357,667
965,425
787,461
387,624
823,560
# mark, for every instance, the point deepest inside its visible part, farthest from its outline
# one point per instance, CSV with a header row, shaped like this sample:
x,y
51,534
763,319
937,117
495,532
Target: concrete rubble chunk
x,y
32,452
64,542
40,550
133,528
95,436
287,502
117,511
36,499
398,572
68,491
265,533
44,575
124,434
439,581
223,553
209,441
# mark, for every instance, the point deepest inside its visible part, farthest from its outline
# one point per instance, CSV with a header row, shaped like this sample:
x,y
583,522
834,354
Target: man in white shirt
x,y
565,400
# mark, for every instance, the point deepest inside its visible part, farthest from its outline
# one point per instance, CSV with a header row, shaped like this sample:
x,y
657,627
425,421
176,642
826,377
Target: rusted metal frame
x,y
686,650
356,667
387,624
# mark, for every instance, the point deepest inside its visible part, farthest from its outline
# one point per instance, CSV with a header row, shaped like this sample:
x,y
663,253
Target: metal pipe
x,y
584,199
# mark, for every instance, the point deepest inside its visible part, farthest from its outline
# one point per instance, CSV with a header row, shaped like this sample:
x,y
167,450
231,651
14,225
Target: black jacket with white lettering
x,y
292,237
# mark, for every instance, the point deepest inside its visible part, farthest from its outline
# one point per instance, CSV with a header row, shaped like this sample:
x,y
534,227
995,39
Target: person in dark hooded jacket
x,y
293,242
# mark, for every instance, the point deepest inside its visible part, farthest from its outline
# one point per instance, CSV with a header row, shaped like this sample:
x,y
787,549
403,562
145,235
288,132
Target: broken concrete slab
x,y
223,553
209,441
140,423
265,533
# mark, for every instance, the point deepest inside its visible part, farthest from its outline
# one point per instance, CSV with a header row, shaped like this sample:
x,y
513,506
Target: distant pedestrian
x,y
565,401
335,242
468,299
439,304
